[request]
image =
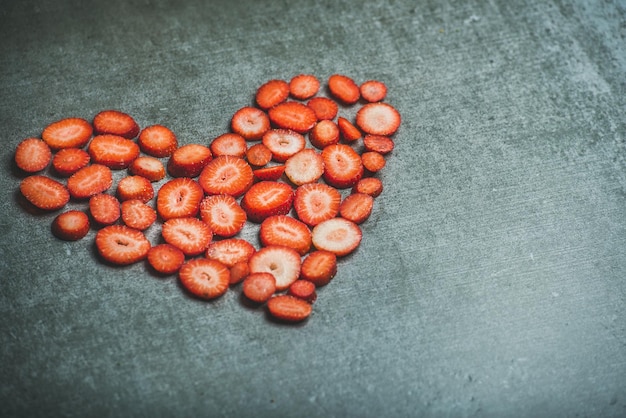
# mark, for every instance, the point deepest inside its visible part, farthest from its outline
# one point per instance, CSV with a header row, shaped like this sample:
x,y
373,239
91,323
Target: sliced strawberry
x,y
303,289
259,155
267,198
378,143
189,160
32,155
269,173
283,143
356,207
324,133
319,267
165,258
71,225
69,160
306,166
104,208
239,271
136,214
179,198
67,133
272,93
190,235
90,181
316,202
373,161
339,236
286,231
349,132
115,122
294,116
158,141
229,144
223,214
135,188
378,119
250,122
373,90
323,107
259,287
148,167
369,185
113,151
304,86
344,88
226,175
204,278
230,251
342,166
119,244
282,262
288,308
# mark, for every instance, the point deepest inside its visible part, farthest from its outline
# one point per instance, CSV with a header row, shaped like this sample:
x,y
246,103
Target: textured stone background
x,y
491,277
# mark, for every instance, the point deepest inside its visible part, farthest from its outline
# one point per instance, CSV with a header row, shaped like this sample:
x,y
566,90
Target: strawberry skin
x,y
190,235
289,308
44,192
179,198
90,181
67,133
294,116
189,160
267,198
282,262
165,258
114,151
226,175
286,231
230,251
319,267
316,202
223,214
69,160
32,155
115,122
342,166
71,225
337,235
272,93
204,278
121,245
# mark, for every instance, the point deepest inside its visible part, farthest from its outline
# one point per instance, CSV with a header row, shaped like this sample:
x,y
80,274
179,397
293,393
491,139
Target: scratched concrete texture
x,y
491,276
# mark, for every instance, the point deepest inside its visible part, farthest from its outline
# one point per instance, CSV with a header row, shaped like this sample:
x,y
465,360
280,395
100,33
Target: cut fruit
x,y
157,141
304,86
115,122
122,245
356,207
319,267
373,90
282,262
324,133
369,185
267,198
165,258
179,198
283,143
230,251
259,155
373,161
113,151
272,93
136,214
189,160
286,231
135,187
323,107
259,287
339,236
378,119
229,144
204,278
342,166
378,143
71,225
344,88
226,175
306,166
104,208
250,122
316,202
294,116
269,173
32,155
90,181
349,132
190,235
69,160
223,214
303,289
44,193
289,308
67,133
148,167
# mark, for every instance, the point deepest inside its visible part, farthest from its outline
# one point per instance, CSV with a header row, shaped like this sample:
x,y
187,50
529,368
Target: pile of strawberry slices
x,y
291,164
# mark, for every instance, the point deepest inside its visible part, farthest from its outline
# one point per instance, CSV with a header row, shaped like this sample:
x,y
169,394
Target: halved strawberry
x,y
294,116
286,231
316,202
226,175
69,160
306,166
319,267
303,289
239,271
115,122
114,151
269,173
136,214
283,143
373,90
89,181
32,155
272,93
158,141
229,144
323,107
304,86
250,122
349,132
189,160
259,155
282,262
378,143
369,185
179,198
165,258
67,133
230,251
378,119
356,207
259,287
342,166
119,244
135,187
190,235
267,198
344,88
373,161
204,278
289,308
337,235
223,214
71,225
324,133
148,167
104,208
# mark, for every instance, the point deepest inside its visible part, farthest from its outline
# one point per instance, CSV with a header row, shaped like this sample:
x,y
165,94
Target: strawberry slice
x,y
230,251
32,155
272,93
344,88
342,166
71,225
250,122
319,267
204,278
378,143
378,119
223,214
121,245
316,202
148,167
373,90
304,86
190,235
338,235
189,160
114,151
115,122
369,185
293,116
229,144
158,141
69,160
324,133
267,198
239,272
226,175
323,107
165,258
90,181
373,161
104,208
283,143
179,198
269,173
349,132
306,166
136,214
135,187
288,308
282,262
259,287
259,155
67,133
356,207
286,231
303,289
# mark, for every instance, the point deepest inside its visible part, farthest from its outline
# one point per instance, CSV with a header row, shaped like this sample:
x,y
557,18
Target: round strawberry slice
x,y
339,236
136,214
223,214
356,207
282,262
316,202
306,166
135,187
373,90
259,287
165,258
324,133
343,166
116,152
303,289
324,108
289,308
304,86
230,251
104,208
179,198
372,186
226,175
229,144
32,155
319,267
283,143
294,116
204,278
250,122
67,133
378,119
189,160
190,235
157,141
115,122
90,181
69,160
272,93
44,192
286,231
71,225
267,198
119,244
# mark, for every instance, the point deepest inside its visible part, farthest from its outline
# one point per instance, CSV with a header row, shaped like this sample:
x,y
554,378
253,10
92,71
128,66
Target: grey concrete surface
x,y
491,277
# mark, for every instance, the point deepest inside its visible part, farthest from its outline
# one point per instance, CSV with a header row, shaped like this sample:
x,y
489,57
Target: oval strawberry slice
x,y
67,133
190,235
267,198
356,207
32,155
289,308
306,166
165,258
316,202
283,143
339,236
119,244
304,86
282,262
226,175
324,108
286,231
223,214
272,93
136,214
69,160
373,90
204,278
115,122
148,167
158,141
116,152
319,267
89,181
259,287
71,225
230,251
229,144
294,116
104,208
342,166
250,122
189,160
344,88
44,192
